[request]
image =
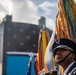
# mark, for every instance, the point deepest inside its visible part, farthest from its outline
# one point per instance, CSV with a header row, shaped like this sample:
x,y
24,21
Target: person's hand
x,y
54,72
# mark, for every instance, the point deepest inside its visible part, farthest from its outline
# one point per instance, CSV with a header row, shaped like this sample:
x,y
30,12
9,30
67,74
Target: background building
x,y
19,39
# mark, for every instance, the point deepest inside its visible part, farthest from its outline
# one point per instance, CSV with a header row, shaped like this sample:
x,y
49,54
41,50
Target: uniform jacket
x,y
72,70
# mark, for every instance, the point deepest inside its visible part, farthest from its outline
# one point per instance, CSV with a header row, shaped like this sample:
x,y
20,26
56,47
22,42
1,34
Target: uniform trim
x,y
72,71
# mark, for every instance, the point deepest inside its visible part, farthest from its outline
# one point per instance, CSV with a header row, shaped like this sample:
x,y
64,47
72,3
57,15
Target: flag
x,y
36,65
66,21
42,44
29,68
29,65
68,18
62,21
73,6
49,56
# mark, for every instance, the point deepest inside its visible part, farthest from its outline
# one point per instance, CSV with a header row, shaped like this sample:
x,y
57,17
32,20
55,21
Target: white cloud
x,y
46,6
26,11
75,1
5,7
50,23
6,4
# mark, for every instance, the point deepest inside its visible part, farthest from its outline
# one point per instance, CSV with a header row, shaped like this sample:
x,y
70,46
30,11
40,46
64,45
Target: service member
x,y
64,51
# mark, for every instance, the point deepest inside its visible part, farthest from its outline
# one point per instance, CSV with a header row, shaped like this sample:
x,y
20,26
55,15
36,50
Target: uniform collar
x,y
65,72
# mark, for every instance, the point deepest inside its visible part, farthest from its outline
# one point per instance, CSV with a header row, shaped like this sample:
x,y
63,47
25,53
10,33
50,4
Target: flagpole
x,y
29,64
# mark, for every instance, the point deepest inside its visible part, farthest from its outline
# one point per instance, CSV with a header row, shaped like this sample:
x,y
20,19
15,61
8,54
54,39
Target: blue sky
x,y
30,11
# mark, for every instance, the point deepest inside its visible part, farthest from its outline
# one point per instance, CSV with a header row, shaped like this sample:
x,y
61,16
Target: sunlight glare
x,y
10,7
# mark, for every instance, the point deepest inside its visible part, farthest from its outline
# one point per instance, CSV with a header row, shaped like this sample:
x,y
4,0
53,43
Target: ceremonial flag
x,y
49,56
29,68
29,65
66,21
42,44
62,21
68,18
36,65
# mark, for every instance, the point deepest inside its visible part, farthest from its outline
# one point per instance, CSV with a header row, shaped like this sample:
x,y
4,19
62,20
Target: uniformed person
x,y
64,51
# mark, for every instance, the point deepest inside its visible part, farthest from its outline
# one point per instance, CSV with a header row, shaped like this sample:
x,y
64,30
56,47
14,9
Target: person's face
x,y
60,54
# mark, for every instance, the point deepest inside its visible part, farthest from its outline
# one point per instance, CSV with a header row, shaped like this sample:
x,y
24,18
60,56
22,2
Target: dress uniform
x,y
71,69
69,45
